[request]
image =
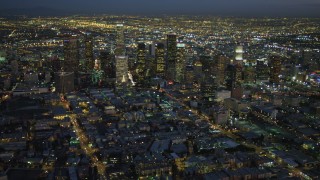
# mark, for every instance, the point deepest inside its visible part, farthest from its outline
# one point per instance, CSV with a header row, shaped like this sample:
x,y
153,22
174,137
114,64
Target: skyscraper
x,y
120,44
171,56
180,63
71,55
262,71
275,68
221,63
239,53
197,70
239,74
230,76
238,65
140,67
160,59
107,64
89,59
121,69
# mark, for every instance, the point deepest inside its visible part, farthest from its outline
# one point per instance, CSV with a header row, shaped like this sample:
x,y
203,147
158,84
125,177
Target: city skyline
x,y
245,8
107,96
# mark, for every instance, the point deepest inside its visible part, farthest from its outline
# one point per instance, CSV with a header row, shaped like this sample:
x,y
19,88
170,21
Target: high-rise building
x,y
107,64
275,68
140,66
262,71
160,59
238,65
121,69
221,64
236,83
71,55
208,89
171,57
89,59
207,65
151,66
239,53
120,44
230,77
197,70
180,63
239,73
64,82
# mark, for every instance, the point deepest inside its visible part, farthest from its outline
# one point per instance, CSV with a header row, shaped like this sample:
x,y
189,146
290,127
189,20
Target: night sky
x,y
251,8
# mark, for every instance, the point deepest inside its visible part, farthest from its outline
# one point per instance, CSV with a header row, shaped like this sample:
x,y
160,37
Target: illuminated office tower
x,y
71,55
89,59
151,66
121,69
239,53
221,63
171,57
160,59
120,45
208,83
140,67
262,71
208,89
275,68
238,64
180,63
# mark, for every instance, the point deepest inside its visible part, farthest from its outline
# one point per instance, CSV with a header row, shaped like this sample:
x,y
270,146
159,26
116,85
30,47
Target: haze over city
x,y
247,8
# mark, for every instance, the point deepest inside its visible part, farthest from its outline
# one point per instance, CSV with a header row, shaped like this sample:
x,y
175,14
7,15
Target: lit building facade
x,y
160,59
262,71
180,63
121,69
140,67
221,63
89,59
171,57
275,68
120,44
71,55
